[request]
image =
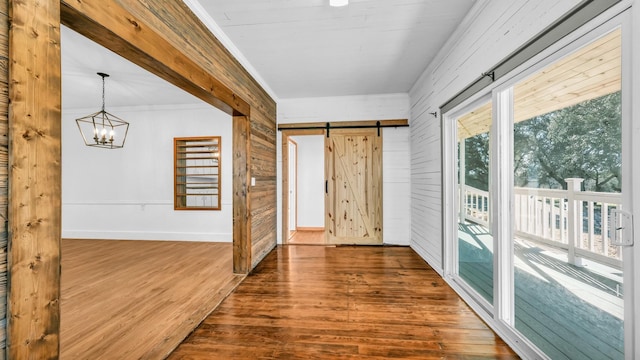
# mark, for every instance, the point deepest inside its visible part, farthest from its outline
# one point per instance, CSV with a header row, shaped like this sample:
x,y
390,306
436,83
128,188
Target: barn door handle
x,y
326,186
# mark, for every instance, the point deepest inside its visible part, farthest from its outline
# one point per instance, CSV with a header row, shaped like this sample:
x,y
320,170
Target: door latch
x,y
621,228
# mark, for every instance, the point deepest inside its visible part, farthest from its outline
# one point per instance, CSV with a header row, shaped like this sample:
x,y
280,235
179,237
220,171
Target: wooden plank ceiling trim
x,y
589,73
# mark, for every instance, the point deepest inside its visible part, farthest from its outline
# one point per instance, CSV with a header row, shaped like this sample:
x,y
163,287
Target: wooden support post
x,y
241,198
35,178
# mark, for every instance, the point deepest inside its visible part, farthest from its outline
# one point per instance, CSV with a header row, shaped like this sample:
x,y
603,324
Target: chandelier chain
x,y
103,93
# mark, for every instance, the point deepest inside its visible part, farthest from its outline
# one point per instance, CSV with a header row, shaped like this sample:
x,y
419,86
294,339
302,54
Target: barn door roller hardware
x,y
328,126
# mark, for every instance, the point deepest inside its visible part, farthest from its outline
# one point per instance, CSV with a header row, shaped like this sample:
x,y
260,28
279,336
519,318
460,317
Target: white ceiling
x,y
300,48
127,84
305,48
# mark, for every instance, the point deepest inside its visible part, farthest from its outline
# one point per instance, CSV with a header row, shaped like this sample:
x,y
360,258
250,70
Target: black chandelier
x,y
102,129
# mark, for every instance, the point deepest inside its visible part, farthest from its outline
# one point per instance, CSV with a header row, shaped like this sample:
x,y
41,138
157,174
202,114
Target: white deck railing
x,y
476,205
553,217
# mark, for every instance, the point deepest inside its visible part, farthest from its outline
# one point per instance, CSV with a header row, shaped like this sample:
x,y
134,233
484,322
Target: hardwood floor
x,y
307,237
138,299
316,302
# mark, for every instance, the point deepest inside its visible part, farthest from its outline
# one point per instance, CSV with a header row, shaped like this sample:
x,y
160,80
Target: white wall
x,y
396,186
310,180
395,148
491,31
343,108
128,193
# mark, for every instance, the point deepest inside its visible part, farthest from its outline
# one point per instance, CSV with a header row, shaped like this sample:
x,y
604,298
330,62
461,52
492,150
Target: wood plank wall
x,y
4,167
181,28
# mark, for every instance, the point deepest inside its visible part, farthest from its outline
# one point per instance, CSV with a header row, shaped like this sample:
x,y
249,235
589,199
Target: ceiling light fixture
x,y
337,3
99,129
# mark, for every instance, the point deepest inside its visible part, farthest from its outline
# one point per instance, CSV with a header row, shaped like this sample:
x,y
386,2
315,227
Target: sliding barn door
x,y
354,186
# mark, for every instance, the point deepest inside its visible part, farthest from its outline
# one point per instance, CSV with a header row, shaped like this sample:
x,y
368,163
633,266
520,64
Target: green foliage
x,y
580,141
477,161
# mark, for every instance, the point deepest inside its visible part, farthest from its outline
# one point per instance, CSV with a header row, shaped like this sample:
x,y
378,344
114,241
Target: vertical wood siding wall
x,y
491,31
4,166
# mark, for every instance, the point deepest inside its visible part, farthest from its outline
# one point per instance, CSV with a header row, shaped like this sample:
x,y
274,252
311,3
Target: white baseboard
x,y
146,235
427,257
394,240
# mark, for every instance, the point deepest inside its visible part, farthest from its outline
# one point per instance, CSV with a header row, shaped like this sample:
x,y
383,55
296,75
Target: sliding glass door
x,y
541,169
567,170
475,242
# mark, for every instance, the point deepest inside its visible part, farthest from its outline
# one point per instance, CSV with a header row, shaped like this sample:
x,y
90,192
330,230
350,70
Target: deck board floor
x,y
547,310
316,302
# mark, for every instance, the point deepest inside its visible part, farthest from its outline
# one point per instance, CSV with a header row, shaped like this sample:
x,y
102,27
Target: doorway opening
x,y
304,188
351,183
118,204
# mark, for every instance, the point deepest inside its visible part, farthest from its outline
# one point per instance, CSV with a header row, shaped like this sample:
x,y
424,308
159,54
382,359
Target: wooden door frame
x,y
291,141
34,221
285,175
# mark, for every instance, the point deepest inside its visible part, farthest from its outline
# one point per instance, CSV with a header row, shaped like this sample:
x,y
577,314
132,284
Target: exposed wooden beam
x,y
35,177
111,26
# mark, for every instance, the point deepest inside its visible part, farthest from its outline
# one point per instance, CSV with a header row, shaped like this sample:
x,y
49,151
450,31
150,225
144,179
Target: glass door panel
x,y
475,242
567,179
